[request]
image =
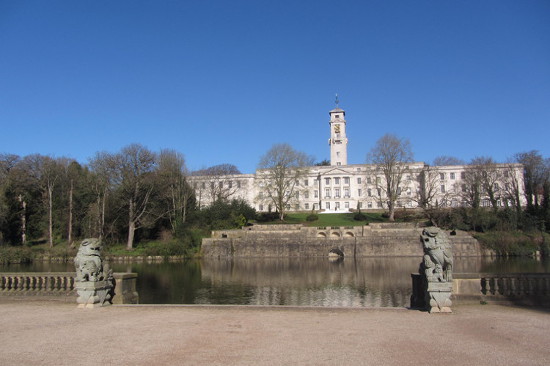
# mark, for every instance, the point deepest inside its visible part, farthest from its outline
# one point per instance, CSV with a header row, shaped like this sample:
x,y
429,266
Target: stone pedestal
x,y
438,297
93,294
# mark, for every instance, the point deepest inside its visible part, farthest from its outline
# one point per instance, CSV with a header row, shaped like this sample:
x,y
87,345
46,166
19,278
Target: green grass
x,y
329,219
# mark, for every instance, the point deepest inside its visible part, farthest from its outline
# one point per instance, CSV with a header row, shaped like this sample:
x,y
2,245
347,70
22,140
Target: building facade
x,y
341,187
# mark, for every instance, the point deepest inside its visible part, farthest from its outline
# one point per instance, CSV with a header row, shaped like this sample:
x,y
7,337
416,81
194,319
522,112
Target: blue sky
x,y
222,81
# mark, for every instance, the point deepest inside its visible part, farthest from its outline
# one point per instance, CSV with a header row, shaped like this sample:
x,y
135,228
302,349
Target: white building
x,y
341,187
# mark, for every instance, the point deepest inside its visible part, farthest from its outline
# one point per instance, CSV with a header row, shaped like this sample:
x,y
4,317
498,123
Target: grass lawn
x,y
329,219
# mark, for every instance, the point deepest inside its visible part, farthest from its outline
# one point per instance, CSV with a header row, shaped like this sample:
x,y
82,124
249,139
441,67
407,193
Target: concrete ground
x,y
54,333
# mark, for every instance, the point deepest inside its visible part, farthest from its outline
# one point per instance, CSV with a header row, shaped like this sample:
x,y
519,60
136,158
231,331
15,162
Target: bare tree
x,y
490,176
280,171
391,156
432,195
533,172
219,184
46,171
513,186
447,160
133,168
176,191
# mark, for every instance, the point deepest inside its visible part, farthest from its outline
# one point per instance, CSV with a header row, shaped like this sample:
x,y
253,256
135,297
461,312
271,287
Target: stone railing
x,y
60,285
46,283
515,288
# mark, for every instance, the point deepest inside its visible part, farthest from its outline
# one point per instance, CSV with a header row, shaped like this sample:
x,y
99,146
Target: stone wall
x,y
354,241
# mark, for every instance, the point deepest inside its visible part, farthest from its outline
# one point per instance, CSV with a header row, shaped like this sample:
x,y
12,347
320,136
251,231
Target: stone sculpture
x,y
438,256
94,281
437,270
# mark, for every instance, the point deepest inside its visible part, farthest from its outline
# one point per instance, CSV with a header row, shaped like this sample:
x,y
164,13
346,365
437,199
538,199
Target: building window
x,y
506,174
379,204
338,153
306,182
336,180
337,206
261,207
464,188
398,191
452,175
238,184
336,116
327,192
338,163
369,205
346,193
359,192
211,185
359,180
369,192
327,181
306,194
497,187
316,193
441,176
230,184
369,180
443,188
378,180
346,204
379,191
297,207
203,185
346,181
462,175
337,192
306,206
327,205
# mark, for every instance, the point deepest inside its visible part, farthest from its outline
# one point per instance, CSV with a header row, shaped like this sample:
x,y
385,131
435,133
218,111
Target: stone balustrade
x,y
516,288
50,282
61,285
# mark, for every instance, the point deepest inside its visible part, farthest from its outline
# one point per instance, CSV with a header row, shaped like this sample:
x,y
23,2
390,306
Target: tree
x,y
280,171
391,156
430,196
133,168
533,173
176,192
447,160
489,176
218,183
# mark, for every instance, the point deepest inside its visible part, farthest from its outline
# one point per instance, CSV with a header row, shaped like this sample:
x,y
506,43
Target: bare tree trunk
x,y
131,226
70,233
23,220
131,232
50,214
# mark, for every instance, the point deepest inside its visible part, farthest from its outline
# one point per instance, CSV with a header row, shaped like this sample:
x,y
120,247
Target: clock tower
x,y
338,141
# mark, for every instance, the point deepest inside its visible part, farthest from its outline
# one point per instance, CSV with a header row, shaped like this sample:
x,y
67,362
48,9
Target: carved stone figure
x,y
438,256
437,270
88,263
94,282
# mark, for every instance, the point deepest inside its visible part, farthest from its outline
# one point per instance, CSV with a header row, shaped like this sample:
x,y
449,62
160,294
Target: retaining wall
x,y
375,240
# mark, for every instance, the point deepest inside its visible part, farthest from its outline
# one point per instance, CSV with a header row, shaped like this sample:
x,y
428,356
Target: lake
x,y
362,282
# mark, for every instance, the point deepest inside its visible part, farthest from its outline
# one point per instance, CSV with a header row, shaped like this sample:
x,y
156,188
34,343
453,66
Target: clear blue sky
x,y
222,81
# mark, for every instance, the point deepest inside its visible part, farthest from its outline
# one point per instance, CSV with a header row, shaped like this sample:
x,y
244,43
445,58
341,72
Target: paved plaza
x,y
56,333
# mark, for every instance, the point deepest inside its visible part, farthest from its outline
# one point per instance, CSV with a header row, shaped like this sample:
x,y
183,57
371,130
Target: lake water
x,y
364,282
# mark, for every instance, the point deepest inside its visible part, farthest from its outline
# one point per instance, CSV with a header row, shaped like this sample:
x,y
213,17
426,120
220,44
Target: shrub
x,y
312,217
15,255
358,216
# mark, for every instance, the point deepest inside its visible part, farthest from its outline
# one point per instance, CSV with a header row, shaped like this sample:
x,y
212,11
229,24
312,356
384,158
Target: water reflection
x,y
364,282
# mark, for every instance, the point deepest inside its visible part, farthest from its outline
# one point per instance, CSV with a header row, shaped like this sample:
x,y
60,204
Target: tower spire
x,y
337,101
